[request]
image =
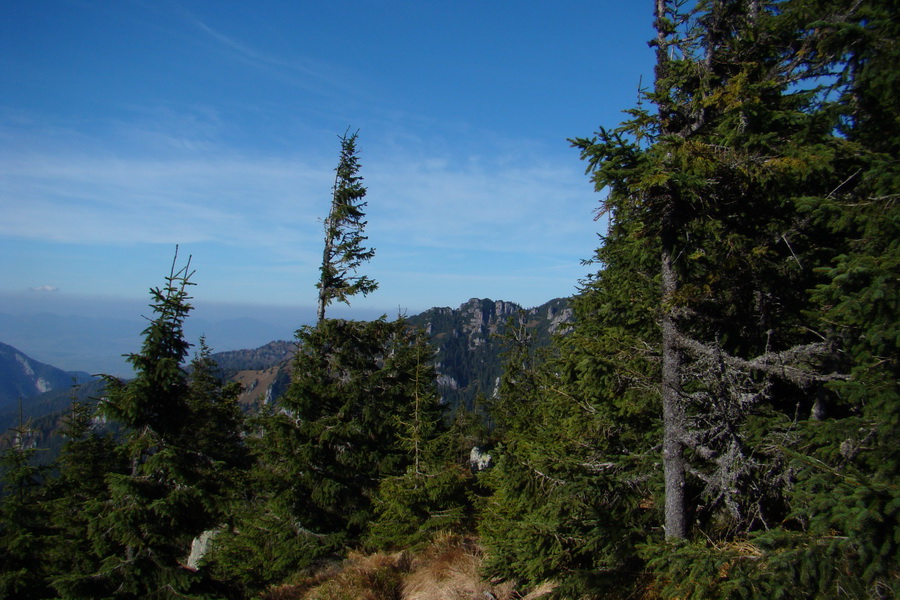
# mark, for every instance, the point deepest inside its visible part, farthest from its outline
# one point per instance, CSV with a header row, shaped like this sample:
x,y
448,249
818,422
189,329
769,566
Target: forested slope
x,y
718,421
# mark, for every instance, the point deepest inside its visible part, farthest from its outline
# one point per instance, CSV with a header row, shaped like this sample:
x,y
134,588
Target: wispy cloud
x,y
490,207
302,71
248,52
272,201
114,201
442,220
45,288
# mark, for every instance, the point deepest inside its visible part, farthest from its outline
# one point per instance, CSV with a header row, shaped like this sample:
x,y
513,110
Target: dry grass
x,y
360,577
449,569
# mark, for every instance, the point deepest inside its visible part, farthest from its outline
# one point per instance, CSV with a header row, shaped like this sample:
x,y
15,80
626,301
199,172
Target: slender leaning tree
x,y
344,251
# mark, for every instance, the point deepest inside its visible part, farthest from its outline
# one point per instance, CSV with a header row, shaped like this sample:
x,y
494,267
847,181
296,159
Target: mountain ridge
x,y
468,357
100,344
469,345
22,377
467,341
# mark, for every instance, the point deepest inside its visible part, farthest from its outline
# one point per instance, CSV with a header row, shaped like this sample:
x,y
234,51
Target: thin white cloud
x,y
438,223
491,208
271,201
300,71
113,201
45,288
248,52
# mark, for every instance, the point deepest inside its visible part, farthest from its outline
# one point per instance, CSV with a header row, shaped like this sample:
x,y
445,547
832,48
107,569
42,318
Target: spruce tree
x,y
721,198
172,489
354,385
566,502
730,146
78,496
25,527
213,432
343,252
330,449
319,453
430,495
841,535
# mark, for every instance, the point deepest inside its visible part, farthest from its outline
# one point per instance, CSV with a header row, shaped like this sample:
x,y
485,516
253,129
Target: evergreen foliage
x,y
354,385
741,295
78,495
563,504
214,424
431,495
25,526
344,253
351,454
181,442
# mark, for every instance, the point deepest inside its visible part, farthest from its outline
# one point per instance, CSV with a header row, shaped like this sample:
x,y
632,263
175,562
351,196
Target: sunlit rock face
x,y
480,460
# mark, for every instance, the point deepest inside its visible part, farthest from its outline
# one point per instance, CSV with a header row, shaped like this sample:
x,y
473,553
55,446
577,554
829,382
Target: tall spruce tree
x,y
730,147
343,252
724,198
838,508
843,525
355,437
171,491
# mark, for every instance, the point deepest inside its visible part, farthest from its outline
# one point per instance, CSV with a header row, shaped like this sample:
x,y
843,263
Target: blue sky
x,y
129,127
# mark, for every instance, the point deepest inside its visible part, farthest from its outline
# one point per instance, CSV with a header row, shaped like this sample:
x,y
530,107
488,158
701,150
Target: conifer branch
x,y
781,364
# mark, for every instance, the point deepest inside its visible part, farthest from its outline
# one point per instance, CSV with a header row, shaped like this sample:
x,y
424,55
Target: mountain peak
x,y
22,377
468,345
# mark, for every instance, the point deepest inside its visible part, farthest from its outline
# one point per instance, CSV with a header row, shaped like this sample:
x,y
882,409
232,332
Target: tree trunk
x,y
673,410
327,257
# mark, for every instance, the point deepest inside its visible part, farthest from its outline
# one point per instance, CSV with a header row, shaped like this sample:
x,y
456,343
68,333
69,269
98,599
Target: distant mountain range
x,y
467,341
468,357
97,344
22,377
30,389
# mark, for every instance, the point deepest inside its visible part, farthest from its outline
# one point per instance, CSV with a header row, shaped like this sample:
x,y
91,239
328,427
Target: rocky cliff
x,y
469,343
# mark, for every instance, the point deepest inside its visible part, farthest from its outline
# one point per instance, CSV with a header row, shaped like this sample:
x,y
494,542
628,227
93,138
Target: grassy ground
x,y
448,569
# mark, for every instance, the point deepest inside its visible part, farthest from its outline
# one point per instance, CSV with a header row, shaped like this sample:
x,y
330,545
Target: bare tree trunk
x,y
674,422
